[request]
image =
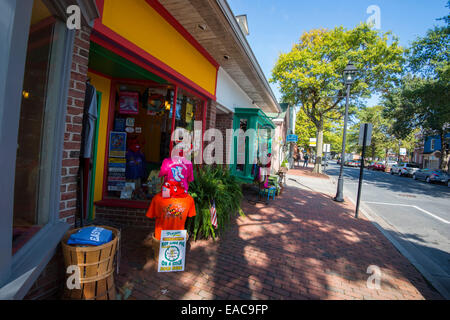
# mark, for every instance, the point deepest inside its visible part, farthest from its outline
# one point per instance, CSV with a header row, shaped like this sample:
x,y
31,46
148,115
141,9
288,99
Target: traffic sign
x,y
368,134
291,138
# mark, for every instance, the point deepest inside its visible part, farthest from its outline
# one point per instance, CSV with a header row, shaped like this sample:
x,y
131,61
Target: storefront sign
x,y
403,151
172,250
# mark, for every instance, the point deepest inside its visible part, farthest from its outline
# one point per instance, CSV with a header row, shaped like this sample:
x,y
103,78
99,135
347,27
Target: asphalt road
x,y
417,213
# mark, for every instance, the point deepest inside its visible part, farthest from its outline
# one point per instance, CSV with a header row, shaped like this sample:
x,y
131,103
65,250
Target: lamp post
x,y
349,77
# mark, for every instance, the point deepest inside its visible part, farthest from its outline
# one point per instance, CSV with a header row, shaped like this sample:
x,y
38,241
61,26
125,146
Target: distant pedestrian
x,y
305,162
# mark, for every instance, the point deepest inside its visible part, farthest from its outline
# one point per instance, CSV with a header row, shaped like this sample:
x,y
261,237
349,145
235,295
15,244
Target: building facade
x,y
153,66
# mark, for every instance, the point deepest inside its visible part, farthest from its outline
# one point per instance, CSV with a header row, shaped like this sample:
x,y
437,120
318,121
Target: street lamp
x,y
349,77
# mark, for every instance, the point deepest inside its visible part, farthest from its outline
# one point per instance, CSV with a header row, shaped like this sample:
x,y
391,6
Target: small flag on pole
x,y
213,212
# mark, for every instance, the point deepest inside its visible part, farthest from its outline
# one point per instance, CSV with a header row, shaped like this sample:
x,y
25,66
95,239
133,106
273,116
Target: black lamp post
x,y
349,77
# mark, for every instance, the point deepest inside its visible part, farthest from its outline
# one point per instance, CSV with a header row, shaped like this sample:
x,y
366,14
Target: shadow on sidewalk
x,y
302,245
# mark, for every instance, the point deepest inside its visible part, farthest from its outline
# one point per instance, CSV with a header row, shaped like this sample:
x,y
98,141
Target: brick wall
x,y
50,283
73,126
224,122
211,115
124,216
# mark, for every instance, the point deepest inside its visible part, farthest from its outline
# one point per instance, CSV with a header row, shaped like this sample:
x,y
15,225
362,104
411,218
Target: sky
x,y
275,25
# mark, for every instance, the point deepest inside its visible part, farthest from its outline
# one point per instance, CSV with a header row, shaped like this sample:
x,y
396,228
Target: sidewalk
x,y
303,245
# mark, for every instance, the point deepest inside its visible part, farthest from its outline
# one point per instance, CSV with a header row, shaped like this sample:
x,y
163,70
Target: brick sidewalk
x,y
303,245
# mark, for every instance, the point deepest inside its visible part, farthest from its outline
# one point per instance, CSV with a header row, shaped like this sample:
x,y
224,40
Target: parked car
x,y
351,163
404,169
431,175
390,163
377,166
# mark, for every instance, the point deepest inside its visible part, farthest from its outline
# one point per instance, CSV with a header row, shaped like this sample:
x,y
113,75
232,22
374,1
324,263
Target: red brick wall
x,y
124,216
74,118
224,122
50,283
211,115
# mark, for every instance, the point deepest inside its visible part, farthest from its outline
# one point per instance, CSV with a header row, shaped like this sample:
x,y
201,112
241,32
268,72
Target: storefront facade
x,y
150,75
152,72
248,149
44,66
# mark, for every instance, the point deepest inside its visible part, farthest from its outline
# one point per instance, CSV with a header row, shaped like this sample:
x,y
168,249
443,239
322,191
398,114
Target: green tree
x,y
310,75
422,101
305,129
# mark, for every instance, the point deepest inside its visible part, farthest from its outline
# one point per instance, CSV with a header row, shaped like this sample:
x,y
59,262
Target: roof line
x,y
223,4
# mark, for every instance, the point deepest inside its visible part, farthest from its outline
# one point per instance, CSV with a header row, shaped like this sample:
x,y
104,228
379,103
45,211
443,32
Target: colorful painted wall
x,y
139,23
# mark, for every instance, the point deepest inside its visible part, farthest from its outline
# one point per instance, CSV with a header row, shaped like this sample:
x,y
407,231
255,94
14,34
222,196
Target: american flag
x,y
213,212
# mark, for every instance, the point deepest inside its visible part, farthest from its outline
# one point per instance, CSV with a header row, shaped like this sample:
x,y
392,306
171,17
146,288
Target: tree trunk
x,y
443,158
319,148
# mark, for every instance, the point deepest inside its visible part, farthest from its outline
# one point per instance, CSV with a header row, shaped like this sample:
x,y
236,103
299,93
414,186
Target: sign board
x,y
291,138
403,151
312,142
172,251
326,147
368,136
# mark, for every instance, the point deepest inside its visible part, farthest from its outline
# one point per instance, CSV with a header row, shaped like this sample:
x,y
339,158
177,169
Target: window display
x,y
140,140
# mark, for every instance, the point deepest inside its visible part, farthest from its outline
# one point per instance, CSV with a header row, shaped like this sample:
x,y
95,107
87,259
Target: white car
x,y
404,169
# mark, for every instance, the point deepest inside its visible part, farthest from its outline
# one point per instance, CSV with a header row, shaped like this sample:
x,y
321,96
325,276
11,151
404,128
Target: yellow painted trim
x,y
103,85
40,12
139,23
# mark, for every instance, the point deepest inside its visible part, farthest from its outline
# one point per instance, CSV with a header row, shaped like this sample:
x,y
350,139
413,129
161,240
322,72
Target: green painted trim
x,y
113,65
94,166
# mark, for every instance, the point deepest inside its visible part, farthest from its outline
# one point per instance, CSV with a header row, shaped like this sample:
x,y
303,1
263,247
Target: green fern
x,y
214,183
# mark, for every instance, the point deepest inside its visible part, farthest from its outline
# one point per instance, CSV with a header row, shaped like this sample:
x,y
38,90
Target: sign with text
x,y
403,151
326,147
312,142
172,250
291,138
368,134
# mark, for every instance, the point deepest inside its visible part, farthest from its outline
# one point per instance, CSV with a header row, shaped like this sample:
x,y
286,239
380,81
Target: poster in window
x,y
117,144
128,102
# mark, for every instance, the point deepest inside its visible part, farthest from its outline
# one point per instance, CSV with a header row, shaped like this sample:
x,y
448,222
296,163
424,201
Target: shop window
x,y
36,143
189,109
139,140
241,147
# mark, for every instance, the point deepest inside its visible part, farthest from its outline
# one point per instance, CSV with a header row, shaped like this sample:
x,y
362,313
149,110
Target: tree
x,y
310,75
305,129
422,101
381,141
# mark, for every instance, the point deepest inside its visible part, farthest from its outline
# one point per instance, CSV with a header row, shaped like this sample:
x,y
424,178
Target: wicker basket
x,y
96,265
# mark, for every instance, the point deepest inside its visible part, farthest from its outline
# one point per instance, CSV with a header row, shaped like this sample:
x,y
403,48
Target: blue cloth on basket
x,y
91,235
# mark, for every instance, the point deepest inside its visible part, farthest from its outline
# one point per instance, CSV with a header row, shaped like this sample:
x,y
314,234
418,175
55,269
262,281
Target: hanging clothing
x,y
89,120
177,169
135,167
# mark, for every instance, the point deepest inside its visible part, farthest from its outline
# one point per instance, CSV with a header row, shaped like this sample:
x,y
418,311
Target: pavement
x,y
302,245
414,215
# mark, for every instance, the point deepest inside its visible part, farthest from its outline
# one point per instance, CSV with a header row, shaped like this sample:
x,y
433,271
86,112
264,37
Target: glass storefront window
x,y
38,117
139,141
189,109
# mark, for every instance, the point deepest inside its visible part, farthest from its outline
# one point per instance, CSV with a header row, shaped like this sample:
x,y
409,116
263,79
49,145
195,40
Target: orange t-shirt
x,y
170,213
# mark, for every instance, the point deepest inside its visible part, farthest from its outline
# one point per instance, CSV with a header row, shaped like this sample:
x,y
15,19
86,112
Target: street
x,y
417,212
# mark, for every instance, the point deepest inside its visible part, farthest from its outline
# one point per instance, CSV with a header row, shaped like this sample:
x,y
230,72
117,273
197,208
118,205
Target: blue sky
x,y
275,25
